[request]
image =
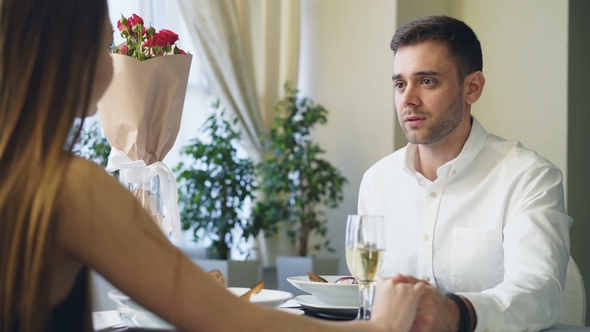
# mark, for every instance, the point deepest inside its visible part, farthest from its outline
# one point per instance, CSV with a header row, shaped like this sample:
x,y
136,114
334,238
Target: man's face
x,y
428,95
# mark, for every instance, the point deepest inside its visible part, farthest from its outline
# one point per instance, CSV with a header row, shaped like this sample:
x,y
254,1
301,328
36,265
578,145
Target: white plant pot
x,y
290,266
237,273
272,247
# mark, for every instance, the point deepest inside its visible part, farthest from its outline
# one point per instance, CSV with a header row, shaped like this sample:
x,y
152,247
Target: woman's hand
x,y
395,304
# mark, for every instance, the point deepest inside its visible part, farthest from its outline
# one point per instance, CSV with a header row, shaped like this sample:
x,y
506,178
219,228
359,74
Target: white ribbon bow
x,y
136,172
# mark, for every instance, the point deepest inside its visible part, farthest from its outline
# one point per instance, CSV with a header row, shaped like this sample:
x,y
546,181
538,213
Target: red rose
x,y
157,40
122,23
134,20
169,36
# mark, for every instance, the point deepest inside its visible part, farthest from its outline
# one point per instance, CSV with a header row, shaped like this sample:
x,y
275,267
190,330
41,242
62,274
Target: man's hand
x,y
396,303
436,312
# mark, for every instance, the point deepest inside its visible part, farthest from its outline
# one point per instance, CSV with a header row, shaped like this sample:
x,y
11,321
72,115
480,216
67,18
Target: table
x,y
106,321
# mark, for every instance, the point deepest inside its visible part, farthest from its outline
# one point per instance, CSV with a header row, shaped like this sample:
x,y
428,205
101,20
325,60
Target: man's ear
x,y
473,84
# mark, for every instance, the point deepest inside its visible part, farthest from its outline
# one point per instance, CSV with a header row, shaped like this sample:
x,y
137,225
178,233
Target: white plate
x,y
329,293
309,302
266,297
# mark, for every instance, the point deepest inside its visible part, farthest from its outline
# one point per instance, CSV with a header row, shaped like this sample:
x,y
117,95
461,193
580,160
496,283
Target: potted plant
x,y
296,183
213,189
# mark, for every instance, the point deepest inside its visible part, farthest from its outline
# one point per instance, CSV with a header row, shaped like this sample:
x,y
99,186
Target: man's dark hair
x,y
462,43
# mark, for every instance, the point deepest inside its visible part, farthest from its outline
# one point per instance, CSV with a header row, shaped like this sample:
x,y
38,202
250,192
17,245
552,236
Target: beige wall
x,y
346,65
524,45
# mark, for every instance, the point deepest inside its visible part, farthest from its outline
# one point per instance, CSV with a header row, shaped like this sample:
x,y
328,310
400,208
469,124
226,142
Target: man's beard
x,y
446,122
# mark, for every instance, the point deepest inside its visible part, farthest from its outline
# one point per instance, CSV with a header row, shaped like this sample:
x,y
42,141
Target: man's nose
x,y
411,96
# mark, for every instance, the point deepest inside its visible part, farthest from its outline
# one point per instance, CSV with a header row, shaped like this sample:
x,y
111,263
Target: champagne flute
x,y
365,244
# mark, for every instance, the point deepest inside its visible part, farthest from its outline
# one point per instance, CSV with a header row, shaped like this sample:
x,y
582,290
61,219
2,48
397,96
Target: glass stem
x,y
366,292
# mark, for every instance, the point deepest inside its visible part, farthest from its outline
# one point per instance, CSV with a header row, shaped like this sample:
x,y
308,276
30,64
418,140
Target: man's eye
x,y
399,85
427,81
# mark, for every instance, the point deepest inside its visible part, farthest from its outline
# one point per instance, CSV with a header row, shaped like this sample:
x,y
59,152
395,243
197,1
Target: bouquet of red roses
x,y
140,113
145,43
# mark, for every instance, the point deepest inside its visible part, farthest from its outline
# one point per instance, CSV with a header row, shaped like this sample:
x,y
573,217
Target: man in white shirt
x,y
481,218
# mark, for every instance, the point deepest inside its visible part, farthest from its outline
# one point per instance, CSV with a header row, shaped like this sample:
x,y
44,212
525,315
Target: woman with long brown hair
x,y
61,214
45,82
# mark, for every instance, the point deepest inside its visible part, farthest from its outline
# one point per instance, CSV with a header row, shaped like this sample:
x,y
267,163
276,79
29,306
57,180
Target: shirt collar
x,y
473,145
475,142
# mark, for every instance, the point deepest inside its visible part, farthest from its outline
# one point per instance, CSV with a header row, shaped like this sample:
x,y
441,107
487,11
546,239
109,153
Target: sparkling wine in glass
x,y
365,244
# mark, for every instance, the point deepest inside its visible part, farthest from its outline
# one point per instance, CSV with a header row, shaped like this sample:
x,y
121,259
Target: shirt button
x,y
425,237
433,194
486,330
454,172
426,278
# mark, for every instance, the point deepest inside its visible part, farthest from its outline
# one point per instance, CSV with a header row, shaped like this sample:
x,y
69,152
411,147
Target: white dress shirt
x,y
492,227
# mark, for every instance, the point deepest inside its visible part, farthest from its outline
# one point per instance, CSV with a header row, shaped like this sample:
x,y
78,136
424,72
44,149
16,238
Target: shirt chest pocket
x,y
477,259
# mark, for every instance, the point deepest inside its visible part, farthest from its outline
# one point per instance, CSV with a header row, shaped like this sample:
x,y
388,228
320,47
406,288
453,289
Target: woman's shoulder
x,y
83,169
92,206
86,187
85,177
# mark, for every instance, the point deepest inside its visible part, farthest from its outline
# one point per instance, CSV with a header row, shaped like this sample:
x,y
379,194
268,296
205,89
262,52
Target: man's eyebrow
x,y
427,73
418,73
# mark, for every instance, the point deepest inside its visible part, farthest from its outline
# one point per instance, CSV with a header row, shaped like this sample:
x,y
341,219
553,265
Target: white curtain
x,y
248,49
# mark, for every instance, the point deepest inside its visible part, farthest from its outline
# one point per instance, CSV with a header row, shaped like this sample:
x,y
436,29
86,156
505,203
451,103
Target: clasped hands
x,y
400,298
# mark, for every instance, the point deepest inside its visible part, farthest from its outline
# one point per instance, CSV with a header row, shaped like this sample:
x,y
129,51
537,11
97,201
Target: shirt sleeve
x,y
536,253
